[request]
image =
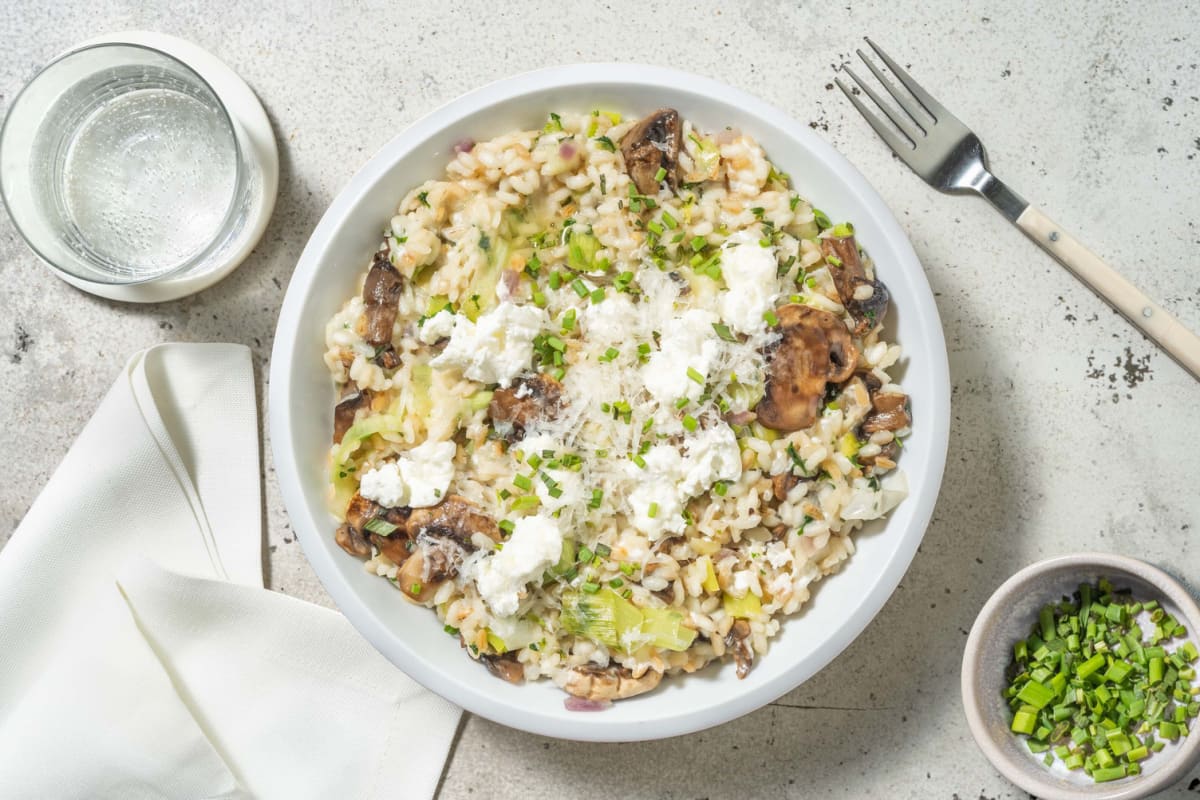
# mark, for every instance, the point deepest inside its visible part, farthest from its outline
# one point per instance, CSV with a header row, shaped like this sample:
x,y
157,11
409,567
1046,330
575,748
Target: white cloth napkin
x,y
139,655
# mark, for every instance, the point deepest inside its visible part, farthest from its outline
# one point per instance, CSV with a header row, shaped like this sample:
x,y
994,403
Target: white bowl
x,y
301,401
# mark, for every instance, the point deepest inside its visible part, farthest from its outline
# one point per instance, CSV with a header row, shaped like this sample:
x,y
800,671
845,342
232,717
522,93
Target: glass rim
x,y
225,116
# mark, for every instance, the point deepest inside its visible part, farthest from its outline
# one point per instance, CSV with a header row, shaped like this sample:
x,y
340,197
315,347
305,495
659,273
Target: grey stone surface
x,y
1070,431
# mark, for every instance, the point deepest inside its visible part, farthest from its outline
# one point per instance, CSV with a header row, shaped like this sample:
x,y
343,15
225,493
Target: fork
x,y
950,158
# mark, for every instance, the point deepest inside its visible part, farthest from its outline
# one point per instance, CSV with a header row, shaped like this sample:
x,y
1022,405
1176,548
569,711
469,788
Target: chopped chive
x,y
605,143
603,550
724,332
669,221
579,287
662,173
616,583
380,526
450,629
652,512
627,568
598,294
695,375
590,587
690,422
770,318
641,462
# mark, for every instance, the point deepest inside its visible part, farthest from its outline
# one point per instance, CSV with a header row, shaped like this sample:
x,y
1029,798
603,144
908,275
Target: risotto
x,y
613,396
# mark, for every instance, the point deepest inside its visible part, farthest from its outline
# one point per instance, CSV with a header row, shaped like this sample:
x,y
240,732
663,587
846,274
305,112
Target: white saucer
x,y
247,112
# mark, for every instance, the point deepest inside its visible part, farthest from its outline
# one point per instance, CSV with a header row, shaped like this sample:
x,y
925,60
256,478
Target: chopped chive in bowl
x,y
1103,682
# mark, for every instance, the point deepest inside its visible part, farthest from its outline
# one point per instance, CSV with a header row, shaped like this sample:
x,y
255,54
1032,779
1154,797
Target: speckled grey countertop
x,y
1070,431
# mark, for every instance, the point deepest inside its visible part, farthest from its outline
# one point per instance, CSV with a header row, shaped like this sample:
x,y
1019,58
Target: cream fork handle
x,y
1154,321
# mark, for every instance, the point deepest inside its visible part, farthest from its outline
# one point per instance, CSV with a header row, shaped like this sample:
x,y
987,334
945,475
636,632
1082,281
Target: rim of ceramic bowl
x,y
594,727
1018,772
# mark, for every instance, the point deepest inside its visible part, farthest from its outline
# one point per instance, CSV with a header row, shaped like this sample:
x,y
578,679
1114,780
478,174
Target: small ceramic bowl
x,y
1008,616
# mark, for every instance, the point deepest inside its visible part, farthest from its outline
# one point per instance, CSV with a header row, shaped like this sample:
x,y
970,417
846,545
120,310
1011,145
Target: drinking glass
x,y
120,165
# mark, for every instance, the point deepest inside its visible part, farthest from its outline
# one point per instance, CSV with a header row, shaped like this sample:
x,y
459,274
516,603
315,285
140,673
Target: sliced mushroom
x,y
432,562
737,643
889,412
505,667
442,558
361,511
514,409
350,540
381,296
456,518
815,350
347,409
412,581
608,683
396,546
652,145
864,298
783,483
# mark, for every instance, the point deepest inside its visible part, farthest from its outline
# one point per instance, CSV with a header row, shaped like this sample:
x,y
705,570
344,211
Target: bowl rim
x,y
593,727
1143,785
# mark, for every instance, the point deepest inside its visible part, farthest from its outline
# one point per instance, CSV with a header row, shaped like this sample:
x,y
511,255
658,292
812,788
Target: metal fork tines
x,y
943,151
933,142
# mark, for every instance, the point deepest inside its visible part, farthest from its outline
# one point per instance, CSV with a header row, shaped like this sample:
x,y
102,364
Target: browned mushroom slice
x,y
737,643
815,349
653,145
865,299
396,546
889,413
433,561
413,580
608,683
346,410
360,511
512,410
505,667
350,540
783,483
381,296
456,518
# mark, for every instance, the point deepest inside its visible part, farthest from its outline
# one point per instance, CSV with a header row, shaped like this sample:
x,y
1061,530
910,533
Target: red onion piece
x,y
464,145
573,703
566,150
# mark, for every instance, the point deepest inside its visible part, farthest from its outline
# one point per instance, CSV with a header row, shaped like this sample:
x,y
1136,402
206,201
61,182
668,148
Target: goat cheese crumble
x,y
417,479
497,347
535,545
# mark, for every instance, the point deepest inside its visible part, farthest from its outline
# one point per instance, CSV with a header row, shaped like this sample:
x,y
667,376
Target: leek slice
x,y
610,619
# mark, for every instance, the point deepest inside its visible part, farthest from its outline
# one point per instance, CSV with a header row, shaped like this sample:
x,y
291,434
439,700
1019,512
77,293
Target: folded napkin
x,y
139,655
